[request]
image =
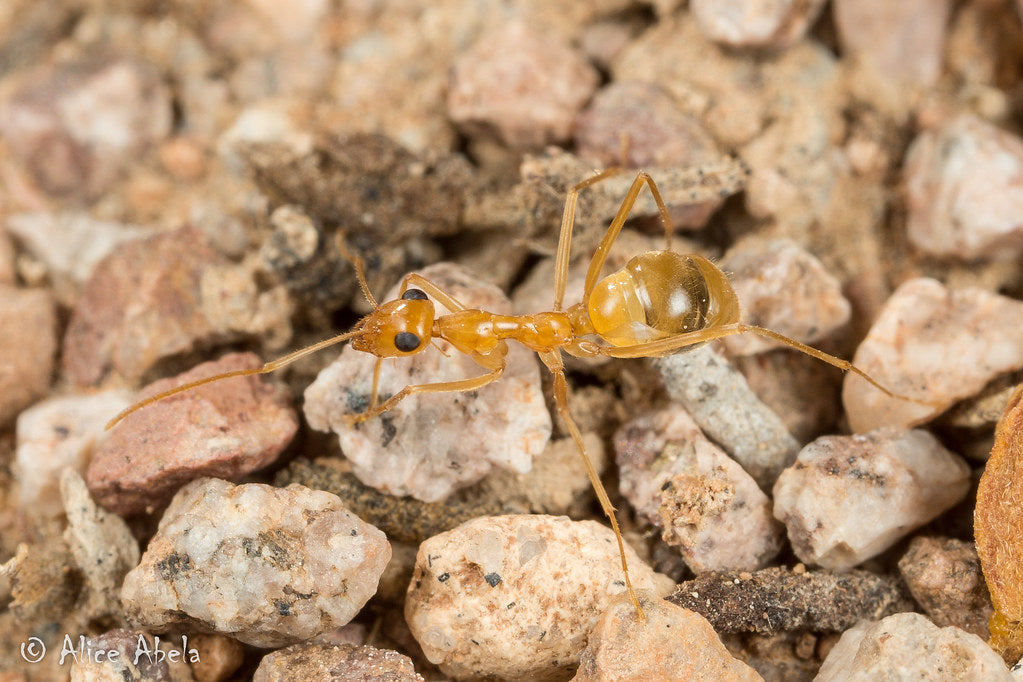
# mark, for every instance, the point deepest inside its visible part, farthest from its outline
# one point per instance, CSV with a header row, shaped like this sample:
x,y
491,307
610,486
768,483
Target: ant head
x,y
400,327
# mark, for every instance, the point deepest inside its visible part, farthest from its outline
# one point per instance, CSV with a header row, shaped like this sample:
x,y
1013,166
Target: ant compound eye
x,y
414,295
406,342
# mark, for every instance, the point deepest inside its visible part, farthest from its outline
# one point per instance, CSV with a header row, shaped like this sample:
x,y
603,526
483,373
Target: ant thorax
x,y
659,294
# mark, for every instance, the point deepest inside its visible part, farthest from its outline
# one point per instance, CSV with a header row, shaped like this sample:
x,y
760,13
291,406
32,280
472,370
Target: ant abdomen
x,y
659,294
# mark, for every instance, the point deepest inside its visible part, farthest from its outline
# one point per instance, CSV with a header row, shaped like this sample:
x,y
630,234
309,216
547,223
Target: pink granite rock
x,y
704,502
521,82
902,41
77,126
786,289
28,331
227,429
431,444
932,344
964,186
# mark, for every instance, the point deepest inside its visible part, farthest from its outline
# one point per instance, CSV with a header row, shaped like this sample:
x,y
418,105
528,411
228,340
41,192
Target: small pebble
x,y
227,428
718,398
219,656
142,303
904,41
786,289
750,23
785,599
429,445
267,566
335,663
516,596
621,647
521,83
963,199
644,121
70,244
139,656
849,498
55,434
907,646
933,344
944,576
103,547
77,126
28,342
704,502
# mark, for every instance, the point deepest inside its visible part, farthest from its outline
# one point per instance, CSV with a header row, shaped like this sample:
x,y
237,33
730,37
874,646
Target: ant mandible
x,y
660,302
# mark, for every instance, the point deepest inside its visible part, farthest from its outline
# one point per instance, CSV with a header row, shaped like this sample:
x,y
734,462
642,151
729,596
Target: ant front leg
x,y
495,365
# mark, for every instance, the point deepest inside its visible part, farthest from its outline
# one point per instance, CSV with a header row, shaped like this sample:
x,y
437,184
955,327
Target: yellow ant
x,y
660,302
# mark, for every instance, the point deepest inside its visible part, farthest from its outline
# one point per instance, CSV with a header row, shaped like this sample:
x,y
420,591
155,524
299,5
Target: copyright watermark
x,y
133,649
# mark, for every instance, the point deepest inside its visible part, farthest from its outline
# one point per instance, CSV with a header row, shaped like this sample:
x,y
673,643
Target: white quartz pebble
x,y
755,23
907,646
848,498
268,566
515,597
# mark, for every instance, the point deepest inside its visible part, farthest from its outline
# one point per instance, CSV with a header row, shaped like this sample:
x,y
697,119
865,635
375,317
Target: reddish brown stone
x,y
28,342
225,429
142,303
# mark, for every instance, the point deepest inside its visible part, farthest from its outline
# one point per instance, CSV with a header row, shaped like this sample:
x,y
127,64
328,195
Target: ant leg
x,y
271,366
600,254
470,384
565,236
555,365
670,344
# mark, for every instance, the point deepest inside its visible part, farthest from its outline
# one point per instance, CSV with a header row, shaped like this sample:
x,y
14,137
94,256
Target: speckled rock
x,y
786,289
133,655
227,429
268,566
431,444
944,576
749,23
704,502
335,663
516,596
783,599
718,398
907,646
521,83
70,244
621,647
58,433
156,297
28,341
848,498
933,344
102,545
902,41
78,125
963,192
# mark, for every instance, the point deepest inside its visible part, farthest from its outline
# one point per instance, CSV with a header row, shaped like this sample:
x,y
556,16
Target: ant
x,y
659,303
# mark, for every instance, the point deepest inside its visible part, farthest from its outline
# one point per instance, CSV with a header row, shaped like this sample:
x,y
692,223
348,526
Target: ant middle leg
x,y
556,366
